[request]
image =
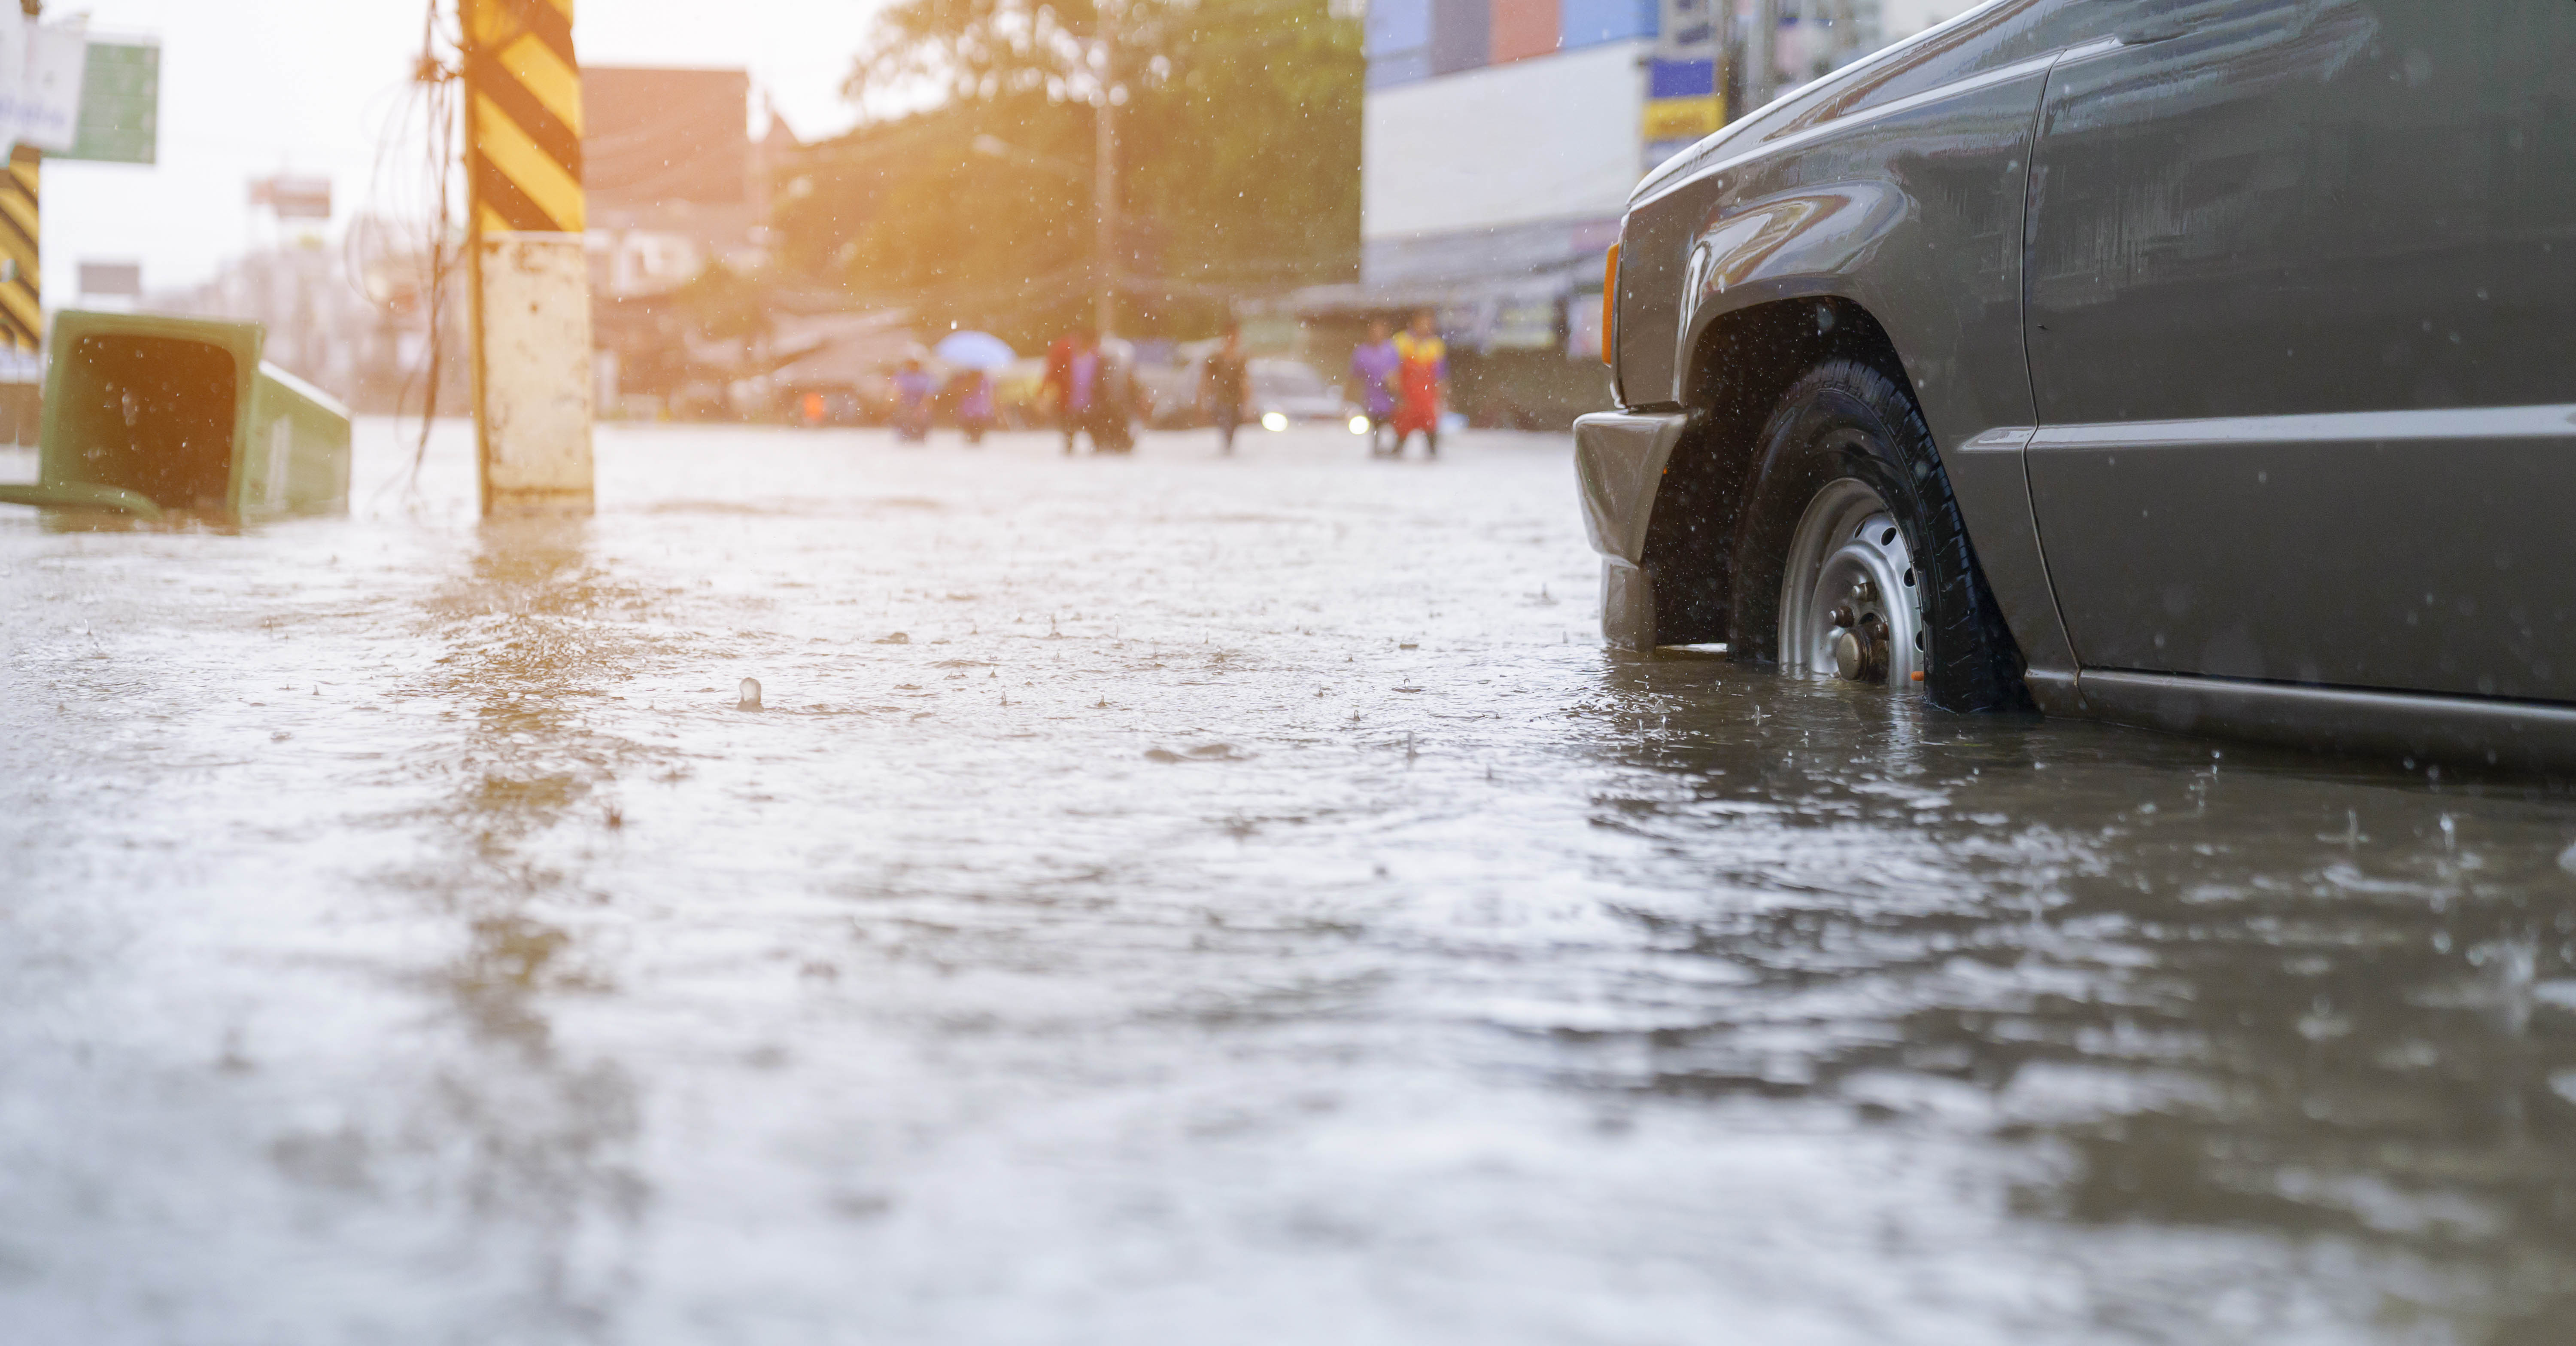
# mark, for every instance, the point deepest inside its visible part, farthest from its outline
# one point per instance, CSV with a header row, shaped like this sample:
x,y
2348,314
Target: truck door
x,y
2301,321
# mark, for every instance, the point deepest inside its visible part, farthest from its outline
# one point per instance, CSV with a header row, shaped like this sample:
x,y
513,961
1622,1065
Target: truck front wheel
x,y
1854,561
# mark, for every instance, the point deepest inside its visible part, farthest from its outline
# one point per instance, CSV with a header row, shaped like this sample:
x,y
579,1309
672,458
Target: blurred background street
x,y
548,794
783,202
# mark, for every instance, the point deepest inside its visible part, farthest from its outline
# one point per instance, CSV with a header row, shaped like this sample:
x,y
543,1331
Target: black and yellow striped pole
x,y
531,291
22,237
22,272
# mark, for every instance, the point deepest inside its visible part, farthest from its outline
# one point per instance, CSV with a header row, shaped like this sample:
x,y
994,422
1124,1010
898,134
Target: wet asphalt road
x,y
1176,899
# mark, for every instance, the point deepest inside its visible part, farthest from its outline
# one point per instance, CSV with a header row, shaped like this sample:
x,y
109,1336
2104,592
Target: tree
x,y
1238,146
724,305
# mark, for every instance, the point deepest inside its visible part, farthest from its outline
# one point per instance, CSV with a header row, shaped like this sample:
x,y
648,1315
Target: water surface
x,y
1190,899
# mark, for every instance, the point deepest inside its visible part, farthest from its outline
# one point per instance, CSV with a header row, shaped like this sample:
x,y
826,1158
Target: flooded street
x,y
1189,899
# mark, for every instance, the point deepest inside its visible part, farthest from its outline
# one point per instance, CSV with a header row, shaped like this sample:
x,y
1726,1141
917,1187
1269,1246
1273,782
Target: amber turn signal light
x,y
1609,304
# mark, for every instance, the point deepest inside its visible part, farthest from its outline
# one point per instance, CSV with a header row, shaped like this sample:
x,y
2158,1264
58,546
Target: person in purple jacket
x,y
912,388
1375,367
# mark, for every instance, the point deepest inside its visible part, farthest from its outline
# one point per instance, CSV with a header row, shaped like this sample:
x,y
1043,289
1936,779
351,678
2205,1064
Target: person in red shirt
x,y
1092,382
1422,384
1073,383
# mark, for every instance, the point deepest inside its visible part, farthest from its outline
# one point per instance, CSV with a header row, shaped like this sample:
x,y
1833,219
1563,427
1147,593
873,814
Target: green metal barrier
x,y
151,414
304,450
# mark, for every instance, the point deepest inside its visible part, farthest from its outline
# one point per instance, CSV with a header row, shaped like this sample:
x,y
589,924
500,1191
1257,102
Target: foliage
x,y
724,305
1238,149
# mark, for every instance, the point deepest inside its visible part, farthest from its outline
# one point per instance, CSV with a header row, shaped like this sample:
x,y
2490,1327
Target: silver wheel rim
x,y
1851,602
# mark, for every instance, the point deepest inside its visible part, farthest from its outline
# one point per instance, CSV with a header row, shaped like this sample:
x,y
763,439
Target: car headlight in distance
x,y
1271,420
1359,425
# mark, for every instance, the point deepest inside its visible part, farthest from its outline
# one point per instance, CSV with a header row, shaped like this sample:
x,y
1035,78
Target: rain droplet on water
x,y
750,695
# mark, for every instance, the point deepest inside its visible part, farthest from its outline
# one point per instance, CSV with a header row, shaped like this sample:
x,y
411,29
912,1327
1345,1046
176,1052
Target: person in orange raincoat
x,y
1422,384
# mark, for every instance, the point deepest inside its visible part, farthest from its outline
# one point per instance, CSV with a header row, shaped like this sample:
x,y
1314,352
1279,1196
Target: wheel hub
x,y
1860,652
1851,602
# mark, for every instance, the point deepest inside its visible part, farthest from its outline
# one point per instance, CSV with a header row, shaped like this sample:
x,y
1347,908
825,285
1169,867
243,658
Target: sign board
x,y
1583,327
114,279
1532,141
1523,323
1691,29
120,105
13,72
44,101
1683,102
293,198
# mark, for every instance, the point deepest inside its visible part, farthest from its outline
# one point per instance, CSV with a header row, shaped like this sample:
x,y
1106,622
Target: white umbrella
x,y
974,350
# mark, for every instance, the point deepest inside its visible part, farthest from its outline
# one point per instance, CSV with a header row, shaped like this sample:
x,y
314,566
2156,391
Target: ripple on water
x,y
1193,898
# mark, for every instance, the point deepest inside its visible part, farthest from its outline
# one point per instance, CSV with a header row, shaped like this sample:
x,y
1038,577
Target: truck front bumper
x,y
1619,460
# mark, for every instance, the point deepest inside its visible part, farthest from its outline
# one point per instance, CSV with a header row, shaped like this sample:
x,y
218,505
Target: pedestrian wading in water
x,y
1422,384
1092,389
1222,385
1374,369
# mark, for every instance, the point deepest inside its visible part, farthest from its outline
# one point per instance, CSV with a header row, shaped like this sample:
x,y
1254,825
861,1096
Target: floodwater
x,y
1181,899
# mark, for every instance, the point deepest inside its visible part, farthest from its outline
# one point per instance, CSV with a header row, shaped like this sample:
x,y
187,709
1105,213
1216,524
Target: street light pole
x,y
1759,63
1104,186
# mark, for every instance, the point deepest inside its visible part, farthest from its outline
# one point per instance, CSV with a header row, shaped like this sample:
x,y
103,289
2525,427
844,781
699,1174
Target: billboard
x,y
293,197
1691,30
1519,143
114,280
41,67
1411,40
120,106
1683,103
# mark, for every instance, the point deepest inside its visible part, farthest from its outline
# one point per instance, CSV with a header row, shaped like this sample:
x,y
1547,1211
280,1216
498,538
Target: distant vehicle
x,y
1290,392
2204,364
1280,392
1171,386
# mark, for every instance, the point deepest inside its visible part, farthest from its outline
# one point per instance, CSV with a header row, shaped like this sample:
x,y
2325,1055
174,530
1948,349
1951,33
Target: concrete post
x,y
528,279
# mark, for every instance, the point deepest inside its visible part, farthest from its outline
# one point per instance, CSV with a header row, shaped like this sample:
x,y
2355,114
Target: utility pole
x,y
1104,184
22,235
1759,62
527,278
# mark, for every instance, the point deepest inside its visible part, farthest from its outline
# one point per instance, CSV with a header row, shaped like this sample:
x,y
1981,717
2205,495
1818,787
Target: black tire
x,y
1847,419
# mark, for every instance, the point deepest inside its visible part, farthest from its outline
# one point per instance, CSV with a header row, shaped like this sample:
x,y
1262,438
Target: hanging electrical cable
x,y
438,78
413,188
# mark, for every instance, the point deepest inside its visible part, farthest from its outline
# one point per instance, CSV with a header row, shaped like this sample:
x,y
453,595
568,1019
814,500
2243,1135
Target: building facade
x,y
1501,139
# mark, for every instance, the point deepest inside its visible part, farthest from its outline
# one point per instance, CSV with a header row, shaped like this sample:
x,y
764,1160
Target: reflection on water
x,y
2217,989
531,640
1173,897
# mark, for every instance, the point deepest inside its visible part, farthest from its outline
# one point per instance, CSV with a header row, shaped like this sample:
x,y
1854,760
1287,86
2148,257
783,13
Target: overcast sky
x,y
252,86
